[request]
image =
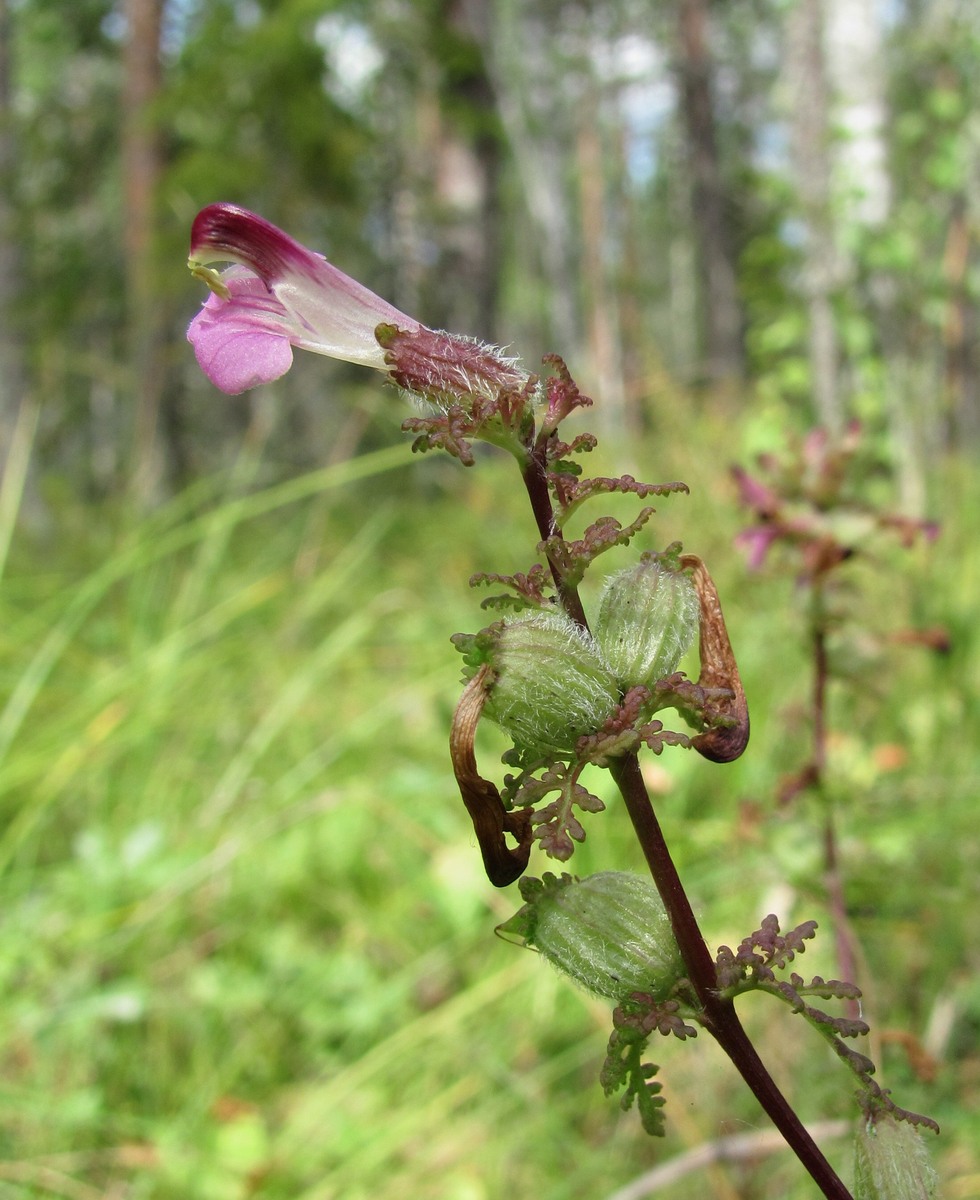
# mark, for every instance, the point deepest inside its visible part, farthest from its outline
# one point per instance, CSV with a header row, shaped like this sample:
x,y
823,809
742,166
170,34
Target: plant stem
x,y
718,1013
843,934
536,482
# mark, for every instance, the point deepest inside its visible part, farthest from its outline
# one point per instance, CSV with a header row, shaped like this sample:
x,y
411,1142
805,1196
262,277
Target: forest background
x,y
247,946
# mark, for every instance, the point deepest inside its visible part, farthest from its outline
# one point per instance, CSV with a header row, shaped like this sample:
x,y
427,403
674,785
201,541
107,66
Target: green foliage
x,y
244,936
244,923
277,138
64,192
465,202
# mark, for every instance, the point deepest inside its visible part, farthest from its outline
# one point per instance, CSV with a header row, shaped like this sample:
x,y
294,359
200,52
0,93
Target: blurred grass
x,y
247,943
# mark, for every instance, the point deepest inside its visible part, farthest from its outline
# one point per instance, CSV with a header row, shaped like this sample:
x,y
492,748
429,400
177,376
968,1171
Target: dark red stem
x,y
719,1015
843,934
536,482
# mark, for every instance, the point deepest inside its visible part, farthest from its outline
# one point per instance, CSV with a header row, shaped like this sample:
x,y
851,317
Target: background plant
x,y
813,509
92,1101
215,1007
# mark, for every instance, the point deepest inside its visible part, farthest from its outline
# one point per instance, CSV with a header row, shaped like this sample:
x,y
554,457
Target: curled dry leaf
x,y
724,743
491,821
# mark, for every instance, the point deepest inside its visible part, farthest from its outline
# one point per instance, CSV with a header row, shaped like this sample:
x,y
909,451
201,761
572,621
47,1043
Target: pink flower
x,y
280,295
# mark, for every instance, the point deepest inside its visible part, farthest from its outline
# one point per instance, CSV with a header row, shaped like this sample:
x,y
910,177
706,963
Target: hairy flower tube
x,y
279,295
609,932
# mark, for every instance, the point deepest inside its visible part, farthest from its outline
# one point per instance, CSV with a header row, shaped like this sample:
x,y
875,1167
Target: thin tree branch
x,y
739,1147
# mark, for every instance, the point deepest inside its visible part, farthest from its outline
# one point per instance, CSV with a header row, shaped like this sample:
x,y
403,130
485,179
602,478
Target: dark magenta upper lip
x,y
244,236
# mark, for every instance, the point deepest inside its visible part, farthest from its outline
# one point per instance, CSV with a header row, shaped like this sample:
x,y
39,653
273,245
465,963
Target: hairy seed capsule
x,y
550,684
648,616
892,1162
608,932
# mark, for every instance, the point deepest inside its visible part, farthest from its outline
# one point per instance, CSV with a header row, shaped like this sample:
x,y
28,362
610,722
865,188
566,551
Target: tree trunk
x,y
810,120
141,165
531,105
12,369
600,302
959,333
466,182
723,351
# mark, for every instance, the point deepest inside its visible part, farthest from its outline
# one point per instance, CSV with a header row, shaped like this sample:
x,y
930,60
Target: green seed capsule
x,y
550,684
892,1162
609,932
648,616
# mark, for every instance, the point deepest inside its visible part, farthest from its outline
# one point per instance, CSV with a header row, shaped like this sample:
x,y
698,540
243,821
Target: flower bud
x,y
609,932
892,1162
648,616
550,685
